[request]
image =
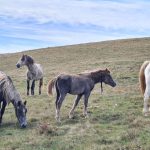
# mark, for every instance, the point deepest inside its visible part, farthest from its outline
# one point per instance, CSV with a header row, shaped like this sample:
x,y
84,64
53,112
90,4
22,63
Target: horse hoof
x,y
32,93
146,114
71,116
57,119
86,115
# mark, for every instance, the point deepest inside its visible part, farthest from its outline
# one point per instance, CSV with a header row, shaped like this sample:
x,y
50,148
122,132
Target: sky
x,y
33,24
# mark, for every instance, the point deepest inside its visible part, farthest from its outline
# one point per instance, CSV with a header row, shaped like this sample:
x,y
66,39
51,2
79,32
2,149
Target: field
x,y
115,122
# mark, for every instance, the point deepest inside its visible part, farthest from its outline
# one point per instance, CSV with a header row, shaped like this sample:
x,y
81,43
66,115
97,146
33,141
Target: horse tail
x,y
142,77
50,86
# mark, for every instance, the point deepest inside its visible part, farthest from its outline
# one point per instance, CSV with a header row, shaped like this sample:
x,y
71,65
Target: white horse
x,y
144,78
34,73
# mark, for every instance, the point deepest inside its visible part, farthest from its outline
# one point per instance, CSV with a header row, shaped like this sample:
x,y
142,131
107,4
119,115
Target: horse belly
x,y
77,87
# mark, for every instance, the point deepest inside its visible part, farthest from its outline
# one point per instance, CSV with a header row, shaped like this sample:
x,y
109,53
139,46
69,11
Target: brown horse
x,y
80,85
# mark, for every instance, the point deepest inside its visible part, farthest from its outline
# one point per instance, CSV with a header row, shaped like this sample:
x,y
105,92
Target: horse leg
x,y
146,99
145,109
2,110
71,114
32,87
86,97
57,96
40,85
28,86
58,106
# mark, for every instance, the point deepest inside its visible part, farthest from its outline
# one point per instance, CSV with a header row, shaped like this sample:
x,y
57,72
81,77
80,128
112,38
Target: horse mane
x,y
2,75
95,72
100,71
9,92
142,76
29,59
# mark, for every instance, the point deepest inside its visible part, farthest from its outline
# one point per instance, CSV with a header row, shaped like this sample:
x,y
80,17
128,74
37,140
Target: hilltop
x,y
116,120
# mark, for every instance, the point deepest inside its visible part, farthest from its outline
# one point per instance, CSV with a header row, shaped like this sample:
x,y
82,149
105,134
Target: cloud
x,y
60,22
108,14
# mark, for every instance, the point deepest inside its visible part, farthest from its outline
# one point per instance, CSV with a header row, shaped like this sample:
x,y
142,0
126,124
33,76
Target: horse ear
x,y
23,57
107,70
25,102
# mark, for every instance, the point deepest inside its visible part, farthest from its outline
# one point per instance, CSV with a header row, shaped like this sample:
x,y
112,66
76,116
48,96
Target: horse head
x,y
107,78
21,110
24,60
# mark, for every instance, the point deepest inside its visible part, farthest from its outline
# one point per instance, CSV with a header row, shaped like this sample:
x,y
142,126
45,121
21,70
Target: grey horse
x,y
80,85
34,73
8,93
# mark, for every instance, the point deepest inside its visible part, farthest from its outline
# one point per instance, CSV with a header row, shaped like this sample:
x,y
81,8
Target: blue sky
x,y
32,24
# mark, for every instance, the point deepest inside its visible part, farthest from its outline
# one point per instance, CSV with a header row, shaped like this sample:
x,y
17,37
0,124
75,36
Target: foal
x,y
80,85
35,72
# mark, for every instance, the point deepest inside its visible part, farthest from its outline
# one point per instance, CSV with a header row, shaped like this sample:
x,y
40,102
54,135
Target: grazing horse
x,y
144,79
8,94
35,72
80,85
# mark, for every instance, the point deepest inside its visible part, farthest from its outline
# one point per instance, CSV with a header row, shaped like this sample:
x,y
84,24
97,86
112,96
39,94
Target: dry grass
x,y
115,117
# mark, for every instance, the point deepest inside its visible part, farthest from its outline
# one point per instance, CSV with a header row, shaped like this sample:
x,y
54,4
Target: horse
x,y
8,93
81,85
144,79
34,73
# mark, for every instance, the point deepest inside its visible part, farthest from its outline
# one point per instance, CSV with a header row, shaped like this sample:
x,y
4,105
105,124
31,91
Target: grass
x,y
115,118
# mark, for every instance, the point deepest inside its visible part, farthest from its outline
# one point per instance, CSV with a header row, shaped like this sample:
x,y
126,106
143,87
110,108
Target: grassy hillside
x,y
115,118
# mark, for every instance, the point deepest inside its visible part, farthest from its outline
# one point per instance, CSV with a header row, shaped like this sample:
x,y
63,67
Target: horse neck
x,y
16,99
11,94
96,77
31,67
15,103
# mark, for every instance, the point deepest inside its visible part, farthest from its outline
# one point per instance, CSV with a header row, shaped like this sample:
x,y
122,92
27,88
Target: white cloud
x,y
108,14
106,20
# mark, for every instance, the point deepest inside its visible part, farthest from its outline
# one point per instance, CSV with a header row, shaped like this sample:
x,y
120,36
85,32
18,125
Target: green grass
x,y
115,118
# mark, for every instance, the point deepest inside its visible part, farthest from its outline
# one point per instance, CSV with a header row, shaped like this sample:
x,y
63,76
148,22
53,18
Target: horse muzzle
x,y
24,125
18,65
114,84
